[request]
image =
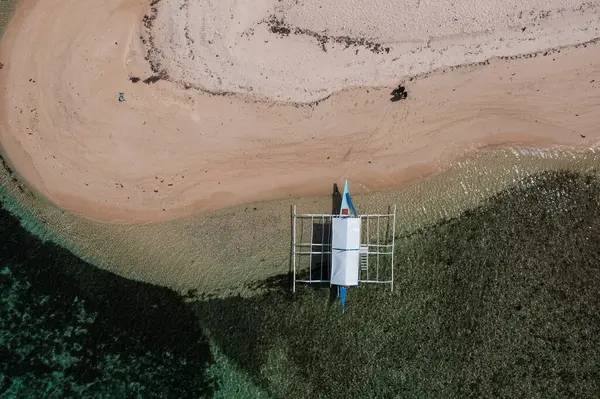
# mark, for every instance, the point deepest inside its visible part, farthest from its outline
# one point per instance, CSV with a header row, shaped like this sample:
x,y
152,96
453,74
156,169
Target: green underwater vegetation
x,y
502,301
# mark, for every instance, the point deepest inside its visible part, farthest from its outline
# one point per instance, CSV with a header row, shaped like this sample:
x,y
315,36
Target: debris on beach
x,y
121,97
399,93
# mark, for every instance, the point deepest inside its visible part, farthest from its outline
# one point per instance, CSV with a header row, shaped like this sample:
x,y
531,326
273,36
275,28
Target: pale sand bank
x,y
320,47
167,151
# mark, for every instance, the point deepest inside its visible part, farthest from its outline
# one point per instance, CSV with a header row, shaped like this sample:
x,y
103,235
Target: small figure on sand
x,y
121,97
399,93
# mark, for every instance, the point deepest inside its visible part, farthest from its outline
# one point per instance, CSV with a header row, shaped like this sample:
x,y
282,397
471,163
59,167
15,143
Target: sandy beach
x,y
232,102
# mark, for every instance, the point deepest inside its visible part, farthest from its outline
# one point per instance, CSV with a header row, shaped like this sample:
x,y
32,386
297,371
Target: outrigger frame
x,y
374,245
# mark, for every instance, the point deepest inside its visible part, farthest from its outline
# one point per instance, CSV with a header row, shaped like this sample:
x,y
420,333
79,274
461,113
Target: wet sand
x,y
230,251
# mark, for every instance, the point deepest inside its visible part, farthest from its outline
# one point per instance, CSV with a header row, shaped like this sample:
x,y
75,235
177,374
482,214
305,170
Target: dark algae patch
x,y
68,329
279,27
503,301
155,78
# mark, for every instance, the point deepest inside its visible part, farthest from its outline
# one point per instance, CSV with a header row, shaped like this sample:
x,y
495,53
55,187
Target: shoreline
x,y
402,180
224,253
197,153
